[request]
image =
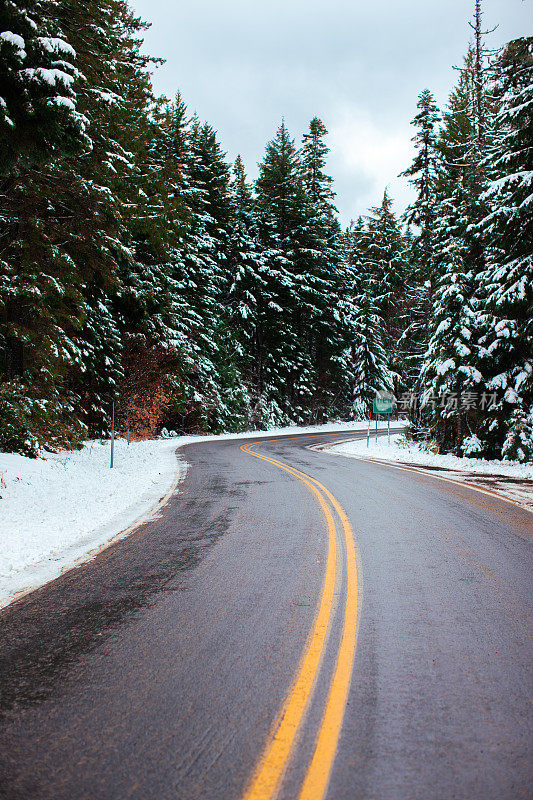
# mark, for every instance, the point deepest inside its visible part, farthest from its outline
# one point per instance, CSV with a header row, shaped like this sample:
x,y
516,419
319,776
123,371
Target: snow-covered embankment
x,y
55,511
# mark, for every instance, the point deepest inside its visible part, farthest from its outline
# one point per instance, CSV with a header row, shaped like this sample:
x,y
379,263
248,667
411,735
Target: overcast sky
x,y
243,65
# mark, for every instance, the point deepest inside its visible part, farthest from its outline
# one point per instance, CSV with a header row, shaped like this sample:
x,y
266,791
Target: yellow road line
x,y
317,777
273,763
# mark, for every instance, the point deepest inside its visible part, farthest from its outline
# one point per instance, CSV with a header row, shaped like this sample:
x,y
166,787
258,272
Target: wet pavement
x,y
157,669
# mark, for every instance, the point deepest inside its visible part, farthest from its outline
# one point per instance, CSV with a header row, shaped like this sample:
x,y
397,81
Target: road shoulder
x,y
512,488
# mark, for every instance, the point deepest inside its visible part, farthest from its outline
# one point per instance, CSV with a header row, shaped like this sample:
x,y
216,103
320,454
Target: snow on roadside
x,y
56,511
510,480
409,452
329,427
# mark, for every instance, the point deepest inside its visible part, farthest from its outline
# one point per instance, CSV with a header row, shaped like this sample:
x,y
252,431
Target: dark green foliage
x,y
302,337
38,76
137,267
507,234
476,375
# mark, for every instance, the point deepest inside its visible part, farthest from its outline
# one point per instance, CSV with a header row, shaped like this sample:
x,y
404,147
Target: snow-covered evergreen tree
x,y
116,97
38,75
451,374
317,183
368,370
383,258
423,175
423,172
449,377
196,258
247,289
371,373
40,300
507,282
323,280
286,368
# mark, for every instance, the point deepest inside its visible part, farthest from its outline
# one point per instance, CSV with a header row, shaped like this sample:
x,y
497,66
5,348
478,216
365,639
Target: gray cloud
x,y
243,66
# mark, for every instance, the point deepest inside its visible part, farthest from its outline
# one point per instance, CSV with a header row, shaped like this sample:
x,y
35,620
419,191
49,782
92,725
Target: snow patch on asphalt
x,y
57,510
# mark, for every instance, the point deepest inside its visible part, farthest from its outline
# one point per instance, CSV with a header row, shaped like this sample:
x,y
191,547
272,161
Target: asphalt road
x,y
340,629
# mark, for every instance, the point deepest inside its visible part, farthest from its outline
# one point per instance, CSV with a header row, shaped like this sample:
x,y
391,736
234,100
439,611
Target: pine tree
x,y
306,349
371,373
40,300
207,391
279,187
383,257
423,172
321,290
451,377
115,98
70,244
423,175
507,283
280,201
368,370
479,79
247,288
313,158
38,81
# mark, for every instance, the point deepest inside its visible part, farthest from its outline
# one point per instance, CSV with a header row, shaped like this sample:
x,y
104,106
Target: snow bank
x,y
329,427
401,450
54,512
509,480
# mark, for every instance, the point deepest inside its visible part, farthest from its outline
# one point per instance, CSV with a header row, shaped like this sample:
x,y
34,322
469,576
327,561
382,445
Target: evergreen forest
x,y
138,267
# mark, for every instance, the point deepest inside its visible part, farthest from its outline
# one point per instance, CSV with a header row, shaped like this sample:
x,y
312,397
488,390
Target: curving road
x,y
293,625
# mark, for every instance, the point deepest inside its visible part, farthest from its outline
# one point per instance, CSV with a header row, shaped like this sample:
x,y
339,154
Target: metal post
x,y
377,415
112,435
368,430
388,426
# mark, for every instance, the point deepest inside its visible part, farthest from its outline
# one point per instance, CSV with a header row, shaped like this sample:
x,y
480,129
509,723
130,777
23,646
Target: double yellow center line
x,y
272,765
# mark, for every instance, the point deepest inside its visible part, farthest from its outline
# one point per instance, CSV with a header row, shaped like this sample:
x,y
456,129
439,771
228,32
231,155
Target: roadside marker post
x,y
383,405
112,435
128,423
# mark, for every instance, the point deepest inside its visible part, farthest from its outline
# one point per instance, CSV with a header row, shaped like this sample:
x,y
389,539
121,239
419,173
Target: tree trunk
x,y
478,79
459,421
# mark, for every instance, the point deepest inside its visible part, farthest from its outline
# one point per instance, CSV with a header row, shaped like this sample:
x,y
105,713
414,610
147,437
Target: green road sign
x,y
383,405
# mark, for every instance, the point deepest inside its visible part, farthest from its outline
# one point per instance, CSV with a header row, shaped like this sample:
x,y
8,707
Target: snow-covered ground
x,y
509,479
57,511
410,452
54,511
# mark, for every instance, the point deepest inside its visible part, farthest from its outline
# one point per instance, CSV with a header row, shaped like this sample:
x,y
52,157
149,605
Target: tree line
x,y
137,266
